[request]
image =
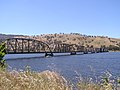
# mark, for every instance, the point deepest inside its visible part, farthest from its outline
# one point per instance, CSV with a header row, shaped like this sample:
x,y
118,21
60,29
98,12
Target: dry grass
x,y
89,86
26,80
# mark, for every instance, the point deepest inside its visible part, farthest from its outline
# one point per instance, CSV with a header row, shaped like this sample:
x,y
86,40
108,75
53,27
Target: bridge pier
x,y
73,53
93,51
47,54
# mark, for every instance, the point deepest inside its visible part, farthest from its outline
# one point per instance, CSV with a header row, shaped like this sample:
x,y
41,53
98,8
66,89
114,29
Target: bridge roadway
x,y
26,46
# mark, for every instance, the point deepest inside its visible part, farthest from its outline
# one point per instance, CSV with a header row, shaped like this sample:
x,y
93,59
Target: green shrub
x,y
2,54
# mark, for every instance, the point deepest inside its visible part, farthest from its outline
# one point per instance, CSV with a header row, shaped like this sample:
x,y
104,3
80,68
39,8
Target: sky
x,y
35,17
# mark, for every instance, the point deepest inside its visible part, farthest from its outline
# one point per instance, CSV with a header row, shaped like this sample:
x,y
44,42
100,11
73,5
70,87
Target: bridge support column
x,y
47,54
73,53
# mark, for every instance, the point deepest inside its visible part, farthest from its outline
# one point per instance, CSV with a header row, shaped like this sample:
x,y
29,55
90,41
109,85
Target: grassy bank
x,y
47,80
28,80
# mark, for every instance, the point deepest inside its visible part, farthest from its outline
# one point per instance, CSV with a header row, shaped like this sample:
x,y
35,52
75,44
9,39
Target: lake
x,y
87,65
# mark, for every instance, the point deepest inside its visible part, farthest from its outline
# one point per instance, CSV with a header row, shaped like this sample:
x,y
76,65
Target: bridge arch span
x,y
22,45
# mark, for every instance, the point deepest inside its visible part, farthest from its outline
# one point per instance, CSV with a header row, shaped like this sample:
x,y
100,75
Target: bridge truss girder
x,y
20,45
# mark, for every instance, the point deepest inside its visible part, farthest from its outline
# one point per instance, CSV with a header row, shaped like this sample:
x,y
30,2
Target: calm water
x,y
86,65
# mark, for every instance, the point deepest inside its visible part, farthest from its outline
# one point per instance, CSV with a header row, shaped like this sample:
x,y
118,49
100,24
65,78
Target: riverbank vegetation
x,y
114,48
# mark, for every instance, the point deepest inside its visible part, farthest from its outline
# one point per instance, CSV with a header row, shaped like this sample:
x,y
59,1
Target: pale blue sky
x,y
34,17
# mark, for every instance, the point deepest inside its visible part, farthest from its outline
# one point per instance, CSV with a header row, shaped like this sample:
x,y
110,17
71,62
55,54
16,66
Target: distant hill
x,y
4,36
79,39
73,38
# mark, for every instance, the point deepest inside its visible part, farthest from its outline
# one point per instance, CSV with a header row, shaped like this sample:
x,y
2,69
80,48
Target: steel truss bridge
x,y
24,46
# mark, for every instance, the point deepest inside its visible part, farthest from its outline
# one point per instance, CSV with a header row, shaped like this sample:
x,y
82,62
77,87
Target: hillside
x,y
73,38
